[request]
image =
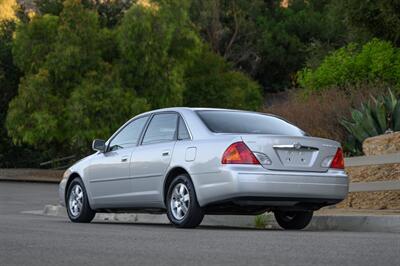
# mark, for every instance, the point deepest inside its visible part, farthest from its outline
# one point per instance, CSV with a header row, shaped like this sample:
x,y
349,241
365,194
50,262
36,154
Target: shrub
x,y
376,61
261,221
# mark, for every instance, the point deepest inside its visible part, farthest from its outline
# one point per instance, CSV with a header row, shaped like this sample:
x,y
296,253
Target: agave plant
x,y
376,117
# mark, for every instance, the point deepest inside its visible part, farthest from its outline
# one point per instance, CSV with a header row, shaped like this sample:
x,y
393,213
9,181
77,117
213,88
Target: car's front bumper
x,y
238,181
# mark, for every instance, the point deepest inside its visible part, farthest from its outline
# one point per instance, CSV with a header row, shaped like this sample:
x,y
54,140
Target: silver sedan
x,y
189,162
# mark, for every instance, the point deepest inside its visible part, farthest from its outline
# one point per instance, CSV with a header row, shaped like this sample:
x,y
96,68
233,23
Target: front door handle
x,y
124,159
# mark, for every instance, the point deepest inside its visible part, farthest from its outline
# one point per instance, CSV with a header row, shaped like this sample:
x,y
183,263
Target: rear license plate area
x,y
296,157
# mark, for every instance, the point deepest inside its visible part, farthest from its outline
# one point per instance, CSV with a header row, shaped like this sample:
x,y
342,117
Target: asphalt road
x,y
27,239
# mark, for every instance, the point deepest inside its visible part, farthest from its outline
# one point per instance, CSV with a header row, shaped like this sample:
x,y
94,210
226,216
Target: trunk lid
x,y
293,153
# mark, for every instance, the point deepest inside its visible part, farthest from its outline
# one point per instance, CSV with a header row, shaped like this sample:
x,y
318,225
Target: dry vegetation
x,y
319,113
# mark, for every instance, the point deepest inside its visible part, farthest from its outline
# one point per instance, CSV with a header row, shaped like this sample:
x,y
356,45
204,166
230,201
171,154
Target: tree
x,y
50,7
379,19
211,82
266,40
10,155
156,44
289,37
231,29
34,41
83,78
66,82
98,106
9,77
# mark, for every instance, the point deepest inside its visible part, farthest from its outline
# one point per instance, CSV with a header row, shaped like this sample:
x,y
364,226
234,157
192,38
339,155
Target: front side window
x,y
129,135
162,128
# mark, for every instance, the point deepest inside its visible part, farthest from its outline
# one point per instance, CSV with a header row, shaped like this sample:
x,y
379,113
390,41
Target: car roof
x,y
193,109
177,109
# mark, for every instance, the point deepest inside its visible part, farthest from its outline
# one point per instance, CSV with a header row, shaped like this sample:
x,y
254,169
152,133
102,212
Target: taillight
x,y
338,160
239,153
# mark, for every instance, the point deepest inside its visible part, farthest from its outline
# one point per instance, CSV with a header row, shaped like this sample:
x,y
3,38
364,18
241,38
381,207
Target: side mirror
x,y
99,145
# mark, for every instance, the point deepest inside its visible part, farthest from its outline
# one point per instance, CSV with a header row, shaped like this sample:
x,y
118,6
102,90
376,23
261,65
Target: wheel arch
x,y
172,173
71,177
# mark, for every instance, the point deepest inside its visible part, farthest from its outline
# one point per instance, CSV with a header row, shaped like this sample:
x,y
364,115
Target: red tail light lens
x,y
239,153
338,160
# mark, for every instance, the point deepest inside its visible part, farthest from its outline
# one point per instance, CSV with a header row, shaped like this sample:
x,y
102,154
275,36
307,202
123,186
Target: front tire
x,y
293,220
77,202
183,210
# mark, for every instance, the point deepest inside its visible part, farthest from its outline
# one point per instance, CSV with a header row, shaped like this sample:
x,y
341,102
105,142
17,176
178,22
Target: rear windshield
x,y
247,123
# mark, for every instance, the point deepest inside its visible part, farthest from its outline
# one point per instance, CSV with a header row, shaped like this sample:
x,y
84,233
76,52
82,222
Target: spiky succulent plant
x,y
375,117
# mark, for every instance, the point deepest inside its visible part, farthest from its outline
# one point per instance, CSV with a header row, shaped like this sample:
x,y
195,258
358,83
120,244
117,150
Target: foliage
x,y
10,155
79,68
33,42
262,221
110,12
83,79
375,61
211,82
374,118
64,76
288,37
163,46
7,10
230,29
372,18
269,42
98,106
9,76
50,7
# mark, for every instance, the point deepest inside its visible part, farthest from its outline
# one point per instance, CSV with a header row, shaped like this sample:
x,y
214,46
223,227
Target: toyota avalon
x,y
189,162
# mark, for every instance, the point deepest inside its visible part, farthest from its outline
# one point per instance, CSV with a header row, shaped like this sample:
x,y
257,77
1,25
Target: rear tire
x,y
293,220
77,203
183,210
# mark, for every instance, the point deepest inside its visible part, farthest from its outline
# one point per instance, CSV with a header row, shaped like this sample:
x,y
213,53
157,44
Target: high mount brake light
x,y
239,153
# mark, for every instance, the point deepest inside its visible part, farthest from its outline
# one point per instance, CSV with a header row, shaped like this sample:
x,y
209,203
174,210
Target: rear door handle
x,y
165,153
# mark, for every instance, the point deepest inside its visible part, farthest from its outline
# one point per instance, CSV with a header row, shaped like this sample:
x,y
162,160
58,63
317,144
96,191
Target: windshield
x,y
219,121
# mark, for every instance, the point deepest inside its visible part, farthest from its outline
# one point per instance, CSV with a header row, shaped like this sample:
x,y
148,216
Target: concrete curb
x,y
31,175
33,180
359,223
321,222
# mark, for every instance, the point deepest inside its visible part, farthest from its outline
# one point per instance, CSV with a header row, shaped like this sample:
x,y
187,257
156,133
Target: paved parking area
x,y
39,240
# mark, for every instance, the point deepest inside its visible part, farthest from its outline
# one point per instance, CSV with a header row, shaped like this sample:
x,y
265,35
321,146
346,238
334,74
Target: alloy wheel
x,y
180,201
75,200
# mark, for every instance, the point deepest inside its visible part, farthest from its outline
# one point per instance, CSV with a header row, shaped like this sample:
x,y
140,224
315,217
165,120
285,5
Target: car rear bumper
x,y
241,181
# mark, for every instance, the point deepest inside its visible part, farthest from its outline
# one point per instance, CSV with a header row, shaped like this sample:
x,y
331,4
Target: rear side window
x,y
183,132
162,128
247,123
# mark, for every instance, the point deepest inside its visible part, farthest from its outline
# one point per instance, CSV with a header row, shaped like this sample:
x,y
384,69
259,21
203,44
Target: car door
x,y
110,176
151,159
